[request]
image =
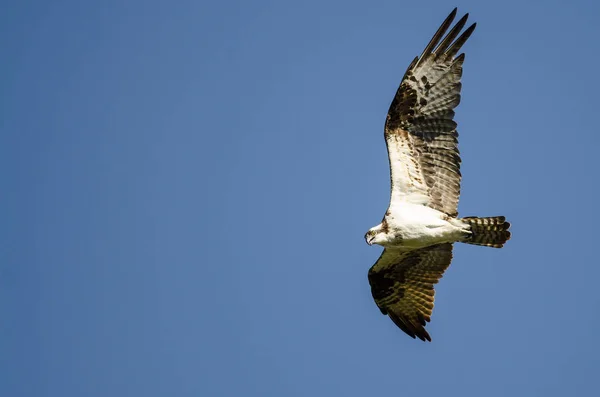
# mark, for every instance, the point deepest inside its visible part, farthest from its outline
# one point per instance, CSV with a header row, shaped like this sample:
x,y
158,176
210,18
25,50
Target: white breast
x,y
419,226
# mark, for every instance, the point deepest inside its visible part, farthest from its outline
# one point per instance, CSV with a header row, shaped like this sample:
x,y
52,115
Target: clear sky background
x,y
186,186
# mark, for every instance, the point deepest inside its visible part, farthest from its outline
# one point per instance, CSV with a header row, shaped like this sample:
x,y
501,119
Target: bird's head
x,y
376,235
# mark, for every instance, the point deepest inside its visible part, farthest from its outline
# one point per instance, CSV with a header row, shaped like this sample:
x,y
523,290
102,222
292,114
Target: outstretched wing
x,y
402,285
420,132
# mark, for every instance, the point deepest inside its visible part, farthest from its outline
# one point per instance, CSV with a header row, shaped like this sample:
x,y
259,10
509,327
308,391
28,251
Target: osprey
x,y
421,223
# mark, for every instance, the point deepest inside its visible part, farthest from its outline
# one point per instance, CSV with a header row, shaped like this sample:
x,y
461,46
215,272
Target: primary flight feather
x,y
421,222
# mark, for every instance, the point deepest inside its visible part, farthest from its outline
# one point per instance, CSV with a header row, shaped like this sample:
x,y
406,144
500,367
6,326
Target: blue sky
x,y
187,186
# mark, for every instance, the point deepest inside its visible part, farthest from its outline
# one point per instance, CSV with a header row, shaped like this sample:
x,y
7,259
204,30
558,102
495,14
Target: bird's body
x,y
421,222
410,226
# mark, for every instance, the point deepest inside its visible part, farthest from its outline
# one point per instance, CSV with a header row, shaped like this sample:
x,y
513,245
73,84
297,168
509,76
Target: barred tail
x,y
489,232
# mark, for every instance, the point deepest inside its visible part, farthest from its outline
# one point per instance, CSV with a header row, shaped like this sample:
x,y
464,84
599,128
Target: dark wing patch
x,y
402,285
424,107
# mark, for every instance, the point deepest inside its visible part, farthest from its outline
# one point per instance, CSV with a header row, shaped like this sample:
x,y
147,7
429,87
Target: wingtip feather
x,y
447,41
457,45
438,35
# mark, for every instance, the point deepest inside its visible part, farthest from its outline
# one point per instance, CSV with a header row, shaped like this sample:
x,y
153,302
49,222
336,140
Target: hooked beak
x,y
369,240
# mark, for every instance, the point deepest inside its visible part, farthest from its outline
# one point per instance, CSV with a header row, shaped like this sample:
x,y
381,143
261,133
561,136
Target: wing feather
x,y
420,130
438,34
402,285
451,35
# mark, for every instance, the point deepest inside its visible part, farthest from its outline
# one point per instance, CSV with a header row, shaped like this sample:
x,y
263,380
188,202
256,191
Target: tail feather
x,y
489,232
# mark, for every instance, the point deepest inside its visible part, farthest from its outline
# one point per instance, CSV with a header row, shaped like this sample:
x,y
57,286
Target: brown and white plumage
x,y
420,132
402,284
421,222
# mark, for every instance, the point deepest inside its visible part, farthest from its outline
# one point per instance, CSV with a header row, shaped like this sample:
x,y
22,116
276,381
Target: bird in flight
x,y
421,223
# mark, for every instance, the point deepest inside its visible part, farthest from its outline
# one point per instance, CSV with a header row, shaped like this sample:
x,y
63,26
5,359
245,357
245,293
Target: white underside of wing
x,y
408,183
